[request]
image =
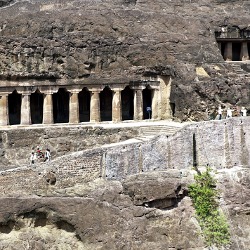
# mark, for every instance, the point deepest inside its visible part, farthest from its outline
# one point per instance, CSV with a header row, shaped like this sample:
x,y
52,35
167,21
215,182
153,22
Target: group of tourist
x,y
39,155
230,112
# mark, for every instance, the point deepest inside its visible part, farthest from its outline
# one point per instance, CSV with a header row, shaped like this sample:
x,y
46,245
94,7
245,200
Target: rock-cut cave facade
x,y
47,104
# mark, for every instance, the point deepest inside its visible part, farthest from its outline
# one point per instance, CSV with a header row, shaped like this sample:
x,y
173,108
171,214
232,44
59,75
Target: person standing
x,y
229,112
47,155
32,158
220,112
243,111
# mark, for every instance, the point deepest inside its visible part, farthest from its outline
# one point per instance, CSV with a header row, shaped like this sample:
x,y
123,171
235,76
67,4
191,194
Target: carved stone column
x,y
155,104
25,109
48,108
138,104
4,112
95,106
228,54
244,52
219,46
116,105
74,107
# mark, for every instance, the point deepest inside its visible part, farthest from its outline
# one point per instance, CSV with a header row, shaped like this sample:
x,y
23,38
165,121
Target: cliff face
x,y
128,196
103,215
121,41
125,197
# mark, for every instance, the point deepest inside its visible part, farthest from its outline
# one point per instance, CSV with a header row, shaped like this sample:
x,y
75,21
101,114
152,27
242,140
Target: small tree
x,y
204,196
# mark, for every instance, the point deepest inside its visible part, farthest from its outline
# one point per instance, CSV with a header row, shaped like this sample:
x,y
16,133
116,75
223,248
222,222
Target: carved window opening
x,y
127,96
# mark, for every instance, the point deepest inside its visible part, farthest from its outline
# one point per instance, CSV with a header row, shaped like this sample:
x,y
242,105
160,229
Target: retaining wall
x,y
221,144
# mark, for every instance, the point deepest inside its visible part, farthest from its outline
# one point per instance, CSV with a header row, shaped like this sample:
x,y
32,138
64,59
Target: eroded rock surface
x,y
104,217
105,42
129,196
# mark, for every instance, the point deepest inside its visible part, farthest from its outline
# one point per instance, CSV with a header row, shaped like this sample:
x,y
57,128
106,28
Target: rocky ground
x,y
128,196
146,211
149,211
121,41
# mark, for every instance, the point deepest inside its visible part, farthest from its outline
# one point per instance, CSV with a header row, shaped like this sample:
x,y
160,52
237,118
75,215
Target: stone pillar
x,y
138,104
74,107
228,54
95,106
244,52
4,112
116,106
48,109
155,104
25,110
219,46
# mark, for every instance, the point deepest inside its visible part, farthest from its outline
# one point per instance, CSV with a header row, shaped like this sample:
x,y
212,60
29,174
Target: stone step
x,y
159,130
145,138
156,130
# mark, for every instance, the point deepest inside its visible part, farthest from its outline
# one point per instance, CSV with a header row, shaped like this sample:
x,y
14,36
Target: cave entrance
x,y
84,105
106,104
248,48
14,101
236,50
61,106
127,96
147,103
36,107
172,105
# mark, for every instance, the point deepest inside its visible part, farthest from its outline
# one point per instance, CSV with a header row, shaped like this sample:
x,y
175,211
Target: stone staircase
x,y
238,71
237,68
148,132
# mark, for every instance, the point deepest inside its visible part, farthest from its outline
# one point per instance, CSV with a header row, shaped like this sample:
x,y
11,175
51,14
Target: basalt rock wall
x,y
129,196
220,144
16,145
102,42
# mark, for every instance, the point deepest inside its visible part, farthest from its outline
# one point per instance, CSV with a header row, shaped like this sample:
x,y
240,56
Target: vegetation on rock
x,y
204,196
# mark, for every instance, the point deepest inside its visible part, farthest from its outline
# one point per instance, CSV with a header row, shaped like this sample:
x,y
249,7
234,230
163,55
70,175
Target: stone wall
x,y
88,43
220,144
16,144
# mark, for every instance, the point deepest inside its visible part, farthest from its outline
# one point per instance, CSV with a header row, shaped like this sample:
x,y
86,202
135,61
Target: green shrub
x,y
204,196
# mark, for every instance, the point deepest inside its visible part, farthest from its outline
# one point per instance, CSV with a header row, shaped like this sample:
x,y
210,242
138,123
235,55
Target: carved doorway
x,y
84,105
14,101
127,97
36,107
106,104
147,103
236,47
61,106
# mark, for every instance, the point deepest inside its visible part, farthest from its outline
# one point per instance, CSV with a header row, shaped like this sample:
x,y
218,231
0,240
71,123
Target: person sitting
x,y
39,153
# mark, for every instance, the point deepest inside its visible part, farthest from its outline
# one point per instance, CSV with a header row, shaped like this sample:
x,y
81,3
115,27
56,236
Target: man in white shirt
x,y
243,111
229,113
220,112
